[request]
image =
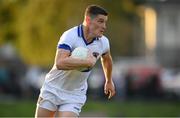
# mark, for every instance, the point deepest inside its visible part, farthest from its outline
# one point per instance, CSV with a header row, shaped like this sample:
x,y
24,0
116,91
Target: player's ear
x,y
87,18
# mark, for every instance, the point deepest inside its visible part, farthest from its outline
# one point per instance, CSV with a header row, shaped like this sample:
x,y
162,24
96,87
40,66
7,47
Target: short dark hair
x,y
94,10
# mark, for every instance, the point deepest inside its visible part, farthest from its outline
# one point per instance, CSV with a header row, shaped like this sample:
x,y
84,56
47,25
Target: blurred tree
x,y
7,21
35,26
40,24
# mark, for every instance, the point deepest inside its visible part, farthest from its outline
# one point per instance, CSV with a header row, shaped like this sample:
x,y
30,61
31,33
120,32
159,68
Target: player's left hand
x,y
109,89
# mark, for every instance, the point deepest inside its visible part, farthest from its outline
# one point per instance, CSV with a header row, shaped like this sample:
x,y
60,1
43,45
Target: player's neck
x,y
87,34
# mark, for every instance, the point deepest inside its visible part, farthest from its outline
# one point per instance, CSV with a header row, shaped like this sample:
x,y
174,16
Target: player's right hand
x,y
91,59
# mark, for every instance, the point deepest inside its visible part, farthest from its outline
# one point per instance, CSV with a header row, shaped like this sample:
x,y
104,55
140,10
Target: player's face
x,y
98,25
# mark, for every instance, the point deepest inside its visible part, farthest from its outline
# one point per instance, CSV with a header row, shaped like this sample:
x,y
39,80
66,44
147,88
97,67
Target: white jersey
x,y
74,81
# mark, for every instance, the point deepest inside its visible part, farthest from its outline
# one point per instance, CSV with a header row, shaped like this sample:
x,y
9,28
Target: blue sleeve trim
x,y
64,46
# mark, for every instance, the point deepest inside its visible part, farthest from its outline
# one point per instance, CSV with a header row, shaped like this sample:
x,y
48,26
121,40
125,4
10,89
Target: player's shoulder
x,y
71,32
104,38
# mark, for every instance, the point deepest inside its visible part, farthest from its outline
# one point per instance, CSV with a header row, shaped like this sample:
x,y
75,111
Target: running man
x,y
64,91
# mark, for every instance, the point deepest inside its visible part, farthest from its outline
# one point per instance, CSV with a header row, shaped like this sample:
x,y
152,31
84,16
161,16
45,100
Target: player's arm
x,y
106,61
63,61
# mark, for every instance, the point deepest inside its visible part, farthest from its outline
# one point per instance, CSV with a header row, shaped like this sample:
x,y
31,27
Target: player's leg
x,y
69,110
45,108
67,114
42,112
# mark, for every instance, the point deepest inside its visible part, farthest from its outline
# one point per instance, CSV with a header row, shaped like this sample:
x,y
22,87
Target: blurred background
x,y
144,37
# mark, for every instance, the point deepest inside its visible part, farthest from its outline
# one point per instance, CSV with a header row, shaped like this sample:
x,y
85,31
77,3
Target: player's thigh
x,y
66,114
69,110
45,108
42,112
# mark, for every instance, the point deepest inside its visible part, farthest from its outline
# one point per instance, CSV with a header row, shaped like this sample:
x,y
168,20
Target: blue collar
x,y
81,34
